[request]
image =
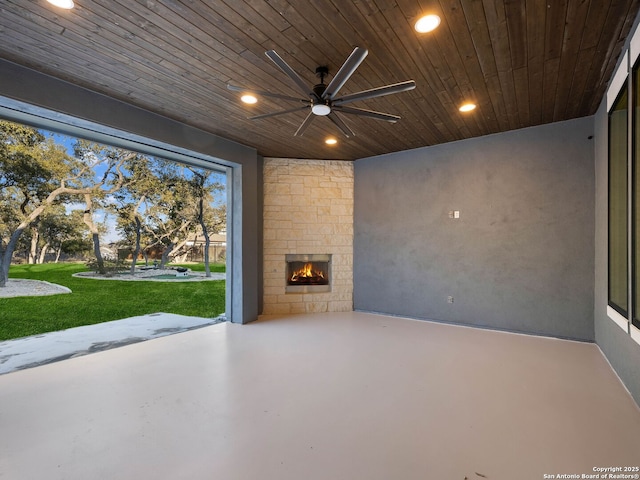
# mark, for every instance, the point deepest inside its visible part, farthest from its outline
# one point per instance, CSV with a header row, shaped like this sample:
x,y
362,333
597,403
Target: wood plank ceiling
x,y
523,62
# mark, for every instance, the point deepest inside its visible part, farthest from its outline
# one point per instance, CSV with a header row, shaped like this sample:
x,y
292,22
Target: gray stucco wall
x,y
25,85
619,348
519,258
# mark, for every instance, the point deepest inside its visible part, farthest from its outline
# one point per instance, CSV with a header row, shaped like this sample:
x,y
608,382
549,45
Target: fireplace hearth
x,y
310,273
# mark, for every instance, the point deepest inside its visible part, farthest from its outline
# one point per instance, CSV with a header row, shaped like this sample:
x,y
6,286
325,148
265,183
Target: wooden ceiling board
x,y
535,58
574,25
523,62
600,65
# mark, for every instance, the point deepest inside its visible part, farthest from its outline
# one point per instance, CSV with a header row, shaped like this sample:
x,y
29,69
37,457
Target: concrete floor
x,y
326,396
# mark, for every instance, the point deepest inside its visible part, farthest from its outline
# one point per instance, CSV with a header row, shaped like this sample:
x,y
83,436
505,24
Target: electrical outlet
x,y
449,299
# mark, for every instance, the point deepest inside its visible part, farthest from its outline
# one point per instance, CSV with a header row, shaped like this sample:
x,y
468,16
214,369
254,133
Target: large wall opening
x,y
134,207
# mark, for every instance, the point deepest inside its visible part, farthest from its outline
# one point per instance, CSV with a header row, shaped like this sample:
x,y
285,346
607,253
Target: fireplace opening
x,y
308,273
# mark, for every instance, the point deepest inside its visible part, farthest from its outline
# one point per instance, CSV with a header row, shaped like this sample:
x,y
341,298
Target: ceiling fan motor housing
x,y
319,89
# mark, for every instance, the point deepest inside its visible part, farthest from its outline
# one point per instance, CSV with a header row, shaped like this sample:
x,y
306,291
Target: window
x,y
624,198
618,205
635,97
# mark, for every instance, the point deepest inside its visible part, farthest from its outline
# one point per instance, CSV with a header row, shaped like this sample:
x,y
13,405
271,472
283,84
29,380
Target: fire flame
x,y
306,272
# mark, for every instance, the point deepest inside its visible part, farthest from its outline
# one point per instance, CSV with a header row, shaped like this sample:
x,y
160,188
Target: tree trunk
x,y
207,244
96,251
95,234
5,258
43,253
136,251
58,253
207,240
165,255
32,258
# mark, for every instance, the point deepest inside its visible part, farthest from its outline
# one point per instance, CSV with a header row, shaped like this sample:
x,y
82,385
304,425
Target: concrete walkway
x,y
51,347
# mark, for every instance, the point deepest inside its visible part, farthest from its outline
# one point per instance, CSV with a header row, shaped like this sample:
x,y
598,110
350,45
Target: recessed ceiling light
x,y
467,107
249,99
66,4
331,141
427,23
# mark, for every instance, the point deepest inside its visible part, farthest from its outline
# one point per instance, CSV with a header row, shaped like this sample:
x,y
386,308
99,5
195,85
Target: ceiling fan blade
x,y
346,70
265,94
277,59
368,113
280,112
346,131
376,92
303,126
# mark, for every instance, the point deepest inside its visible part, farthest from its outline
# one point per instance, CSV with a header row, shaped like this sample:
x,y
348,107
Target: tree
x,y
111,161
62,232
142,189
183,209
29,162
208,218
36,173
171,218
9,218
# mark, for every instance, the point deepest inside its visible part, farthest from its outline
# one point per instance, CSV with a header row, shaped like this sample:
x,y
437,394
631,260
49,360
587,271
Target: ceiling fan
x,y
322,100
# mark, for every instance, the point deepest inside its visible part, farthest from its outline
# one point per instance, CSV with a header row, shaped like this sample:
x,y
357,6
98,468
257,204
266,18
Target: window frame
x,y
621,310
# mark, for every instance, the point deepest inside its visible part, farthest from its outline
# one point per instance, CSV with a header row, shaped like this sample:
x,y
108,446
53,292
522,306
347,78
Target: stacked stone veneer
x,y
308,209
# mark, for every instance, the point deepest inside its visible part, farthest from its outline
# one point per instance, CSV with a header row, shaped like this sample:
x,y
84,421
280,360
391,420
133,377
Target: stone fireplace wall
x,y
308,209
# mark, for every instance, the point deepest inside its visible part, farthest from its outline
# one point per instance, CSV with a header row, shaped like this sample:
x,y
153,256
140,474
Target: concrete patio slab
x,y
51,347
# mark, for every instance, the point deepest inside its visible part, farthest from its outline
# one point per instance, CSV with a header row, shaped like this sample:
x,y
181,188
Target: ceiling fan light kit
x,y
321,109
322,100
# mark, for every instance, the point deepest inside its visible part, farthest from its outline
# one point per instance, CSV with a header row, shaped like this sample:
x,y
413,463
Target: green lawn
x,y
97,301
